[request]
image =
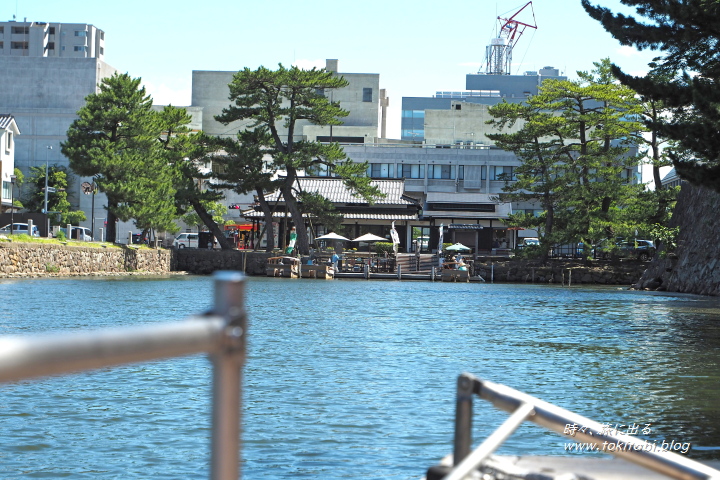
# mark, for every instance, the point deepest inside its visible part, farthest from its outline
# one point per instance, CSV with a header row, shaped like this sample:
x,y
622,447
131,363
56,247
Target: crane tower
x,y
498,54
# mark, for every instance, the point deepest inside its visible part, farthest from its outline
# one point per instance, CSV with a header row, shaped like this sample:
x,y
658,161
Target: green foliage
x,y
60,235
383,248
73,218
115,140
272,102
665,236
215,209
572,144
58,179
687,34
51,268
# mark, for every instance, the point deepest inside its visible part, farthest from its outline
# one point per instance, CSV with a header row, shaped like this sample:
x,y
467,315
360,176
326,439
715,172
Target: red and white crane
x,y
498,54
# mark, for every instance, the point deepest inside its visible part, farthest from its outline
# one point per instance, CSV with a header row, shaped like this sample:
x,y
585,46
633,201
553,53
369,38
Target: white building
x,y
8,135
47,39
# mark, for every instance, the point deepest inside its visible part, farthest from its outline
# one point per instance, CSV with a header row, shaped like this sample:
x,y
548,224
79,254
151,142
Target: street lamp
x,y
45,210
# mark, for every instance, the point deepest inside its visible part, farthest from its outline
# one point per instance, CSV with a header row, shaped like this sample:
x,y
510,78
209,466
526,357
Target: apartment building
x,y
48,39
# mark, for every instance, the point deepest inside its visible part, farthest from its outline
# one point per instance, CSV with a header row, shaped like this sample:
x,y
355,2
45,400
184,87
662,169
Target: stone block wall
x,y
519,271
43,259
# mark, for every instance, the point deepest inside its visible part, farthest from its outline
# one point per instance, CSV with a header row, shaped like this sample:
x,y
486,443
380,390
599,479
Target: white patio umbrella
x,y
369,237
332,236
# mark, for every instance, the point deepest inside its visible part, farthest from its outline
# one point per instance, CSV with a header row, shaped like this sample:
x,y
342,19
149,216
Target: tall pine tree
x,y
278,101
115,140
685,77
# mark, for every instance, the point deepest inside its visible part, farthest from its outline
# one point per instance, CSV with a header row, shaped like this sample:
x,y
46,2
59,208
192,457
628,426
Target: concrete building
x,y
46,39
485,90
363,98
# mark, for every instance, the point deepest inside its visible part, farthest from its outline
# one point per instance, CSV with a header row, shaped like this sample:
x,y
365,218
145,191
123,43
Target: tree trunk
x,y
302,243
270,244
206,218
111,233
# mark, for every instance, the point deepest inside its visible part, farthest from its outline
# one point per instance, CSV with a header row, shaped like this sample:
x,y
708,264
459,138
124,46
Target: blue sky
x,y
417,47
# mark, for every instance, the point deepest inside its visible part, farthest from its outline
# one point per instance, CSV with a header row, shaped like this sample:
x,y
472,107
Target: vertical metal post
x,y
463,418
227,377
399,270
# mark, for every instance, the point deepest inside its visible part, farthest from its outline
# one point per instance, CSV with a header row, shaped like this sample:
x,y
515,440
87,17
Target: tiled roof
x,y
5,120
374,215
334,190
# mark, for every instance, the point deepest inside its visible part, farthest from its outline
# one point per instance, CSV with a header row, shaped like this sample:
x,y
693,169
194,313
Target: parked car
x,y
641,249
20,228
186,240
528,241
78,233
137,239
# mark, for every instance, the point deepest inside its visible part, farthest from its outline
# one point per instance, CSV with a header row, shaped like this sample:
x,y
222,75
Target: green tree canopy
x,y
115,140
573,147
278,101
685,78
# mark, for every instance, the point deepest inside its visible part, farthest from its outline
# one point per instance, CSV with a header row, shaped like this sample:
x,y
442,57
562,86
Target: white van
x,y
186,240
78,233
20,228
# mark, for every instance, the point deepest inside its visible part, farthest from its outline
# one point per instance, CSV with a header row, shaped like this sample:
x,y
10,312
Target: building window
x,y
441,172
79,48
51,46
102,35
51,30
367,95
413,171
320,91
2,29
502,173
102,51
461,172
20,30
320,170
7,190
80,33
1,45
19,45
381,170
9,142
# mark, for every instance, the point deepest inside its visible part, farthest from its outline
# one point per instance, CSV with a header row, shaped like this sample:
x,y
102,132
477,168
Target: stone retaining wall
x,y
605,273
41,259
608,273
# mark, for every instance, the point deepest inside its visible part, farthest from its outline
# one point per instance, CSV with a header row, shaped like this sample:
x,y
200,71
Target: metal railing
x,y
527,408
221,333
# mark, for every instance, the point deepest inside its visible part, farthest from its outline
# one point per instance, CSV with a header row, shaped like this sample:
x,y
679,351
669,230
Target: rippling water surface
x,y
355,379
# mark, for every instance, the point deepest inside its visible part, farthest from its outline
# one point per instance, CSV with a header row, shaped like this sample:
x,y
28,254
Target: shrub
x,y
381,248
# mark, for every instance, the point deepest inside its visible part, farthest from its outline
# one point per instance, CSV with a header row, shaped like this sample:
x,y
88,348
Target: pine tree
x,y
685,78
115,140
276,101
572,145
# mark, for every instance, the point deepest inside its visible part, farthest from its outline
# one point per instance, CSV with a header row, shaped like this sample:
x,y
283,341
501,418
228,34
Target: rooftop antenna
x,y
498,55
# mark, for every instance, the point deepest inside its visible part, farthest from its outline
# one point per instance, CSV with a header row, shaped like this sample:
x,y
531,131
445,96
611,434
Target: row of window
x,y
367,93
437,172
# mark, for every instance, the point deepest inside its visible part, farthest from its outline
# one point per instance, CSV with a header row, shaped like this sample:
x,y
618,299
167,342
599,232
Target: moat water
x,y
354,378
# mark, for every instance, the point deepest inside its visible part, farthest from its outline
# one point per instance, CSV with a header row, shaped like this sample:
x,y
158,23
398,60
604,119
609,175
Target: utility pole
x,y
45,209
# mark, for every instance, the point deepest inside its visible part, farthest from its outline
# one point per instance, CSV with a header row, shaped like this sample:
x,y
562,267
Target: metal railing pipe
x,y
463,418
472,461
28,357
227,377
633,449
